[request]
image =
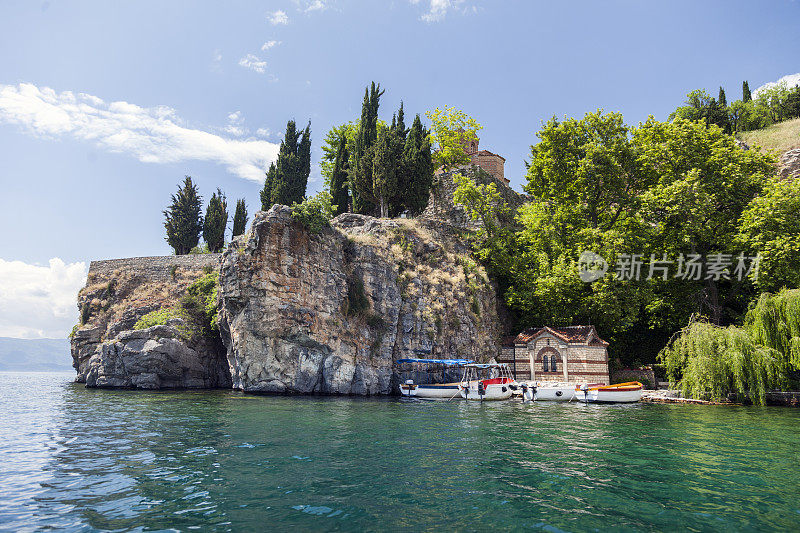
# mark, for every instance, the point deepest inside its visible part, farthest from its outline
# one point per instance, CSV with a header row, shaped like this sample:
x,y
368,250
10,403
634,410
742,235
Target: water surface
x,y
82,460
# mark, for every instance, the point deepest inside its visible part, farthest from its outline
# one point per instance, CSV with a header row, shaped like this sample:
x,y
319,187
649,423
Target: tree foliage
x,y
240,217
452,131
361,157
216,221
287,178
770,226
184,219
315,212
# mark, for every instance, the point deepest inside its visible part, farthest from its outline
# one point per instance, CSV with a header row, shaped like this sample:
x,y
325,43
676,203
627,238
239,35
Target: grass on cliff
x,y
198,310
781,137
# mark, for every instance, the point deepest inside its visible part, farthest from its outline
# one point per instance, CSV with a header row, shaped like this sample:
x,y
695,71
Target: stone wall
x,y
155,268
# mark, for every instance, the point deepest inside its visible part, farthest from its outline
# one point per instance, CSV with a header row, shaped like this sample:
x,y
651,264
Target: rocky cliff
x,y
108,350
331,312
298,311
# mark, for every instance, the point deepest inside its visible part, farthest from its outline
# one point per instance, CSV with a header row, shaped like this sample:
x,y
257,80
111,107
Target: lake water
x,y
83,459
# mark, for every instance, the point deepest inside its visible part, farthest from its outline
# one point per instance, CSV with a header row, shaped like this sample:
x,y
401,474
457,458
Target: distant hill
x,y
34,355
781,136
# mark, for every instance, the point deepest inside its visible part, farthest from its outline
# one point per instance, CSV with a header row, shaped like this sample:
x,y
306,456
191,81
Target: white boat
x,y
432,391
629,392
546,391
498,385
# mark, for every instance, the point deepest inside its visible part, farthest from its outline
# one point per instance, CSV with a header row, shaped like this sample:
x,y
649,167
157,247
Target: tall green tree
x,y
216,221
340,195
184,219
240,217
452,131
361,158
746,96
287,178
384,169
723,102
417,165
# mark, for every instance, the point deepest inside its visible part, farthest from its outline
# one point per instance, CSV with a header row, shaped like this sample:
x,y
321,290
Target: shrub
x,y
156,318
75,329
200,303
357,301
314,213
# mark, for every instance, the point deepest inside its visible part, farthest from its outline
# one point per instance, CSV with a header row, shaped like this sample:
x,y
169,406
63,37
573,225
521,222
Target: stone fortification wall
x,y
156,268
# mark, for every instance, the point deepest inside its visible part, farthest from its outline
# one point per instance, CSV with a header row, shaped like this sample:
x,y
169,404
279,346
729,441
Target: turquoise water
x,y
82,459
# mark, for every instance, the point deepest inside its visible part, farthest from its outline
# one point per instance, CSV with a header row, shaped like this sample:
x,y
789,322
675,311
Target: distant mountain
x,y
35,355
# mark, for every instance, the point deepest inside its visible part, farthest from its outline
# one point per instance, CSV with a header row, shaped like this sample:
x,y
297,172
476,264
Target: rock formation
x,y
299,312
331,312
108,352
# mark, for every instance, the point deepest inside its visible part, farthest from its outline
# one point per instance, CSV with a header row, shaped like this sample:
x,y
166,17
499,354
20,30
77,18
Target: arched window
x,y
553,363
544,363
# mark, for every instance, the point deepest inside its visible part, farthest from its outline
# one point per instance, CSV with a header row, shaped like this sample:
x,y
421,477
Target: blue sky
x,y
105,106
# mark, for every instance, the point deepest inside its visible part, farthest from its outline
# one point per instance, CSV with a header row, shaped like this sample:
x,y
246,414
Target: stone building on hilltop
x,y
572,354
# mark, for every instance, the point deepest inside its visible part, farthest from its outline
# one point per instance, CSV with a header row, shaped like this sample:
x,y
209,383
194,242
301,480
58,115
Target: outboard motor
x,y
585,390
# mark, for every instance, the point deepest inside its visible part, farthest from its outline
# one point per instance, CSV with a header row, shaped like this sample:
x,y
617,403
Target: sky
x,y
105,106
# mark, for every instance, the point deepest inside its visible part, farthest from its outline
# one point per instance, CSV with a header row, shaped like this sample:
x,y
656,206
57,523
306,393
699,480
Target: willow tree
x,y
774,322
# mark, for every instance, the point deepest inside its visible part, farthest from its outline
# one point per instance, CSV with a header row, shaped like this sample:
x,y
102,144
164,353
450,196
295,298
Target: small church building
x,y
572,354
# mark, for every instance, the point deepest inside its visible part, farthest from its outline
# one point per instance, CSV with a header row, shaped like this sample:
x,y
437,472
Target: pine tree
x,y
723,102
287,178
184,219
418,163
339,186
384,176
360,173
746,96
216,222
240,217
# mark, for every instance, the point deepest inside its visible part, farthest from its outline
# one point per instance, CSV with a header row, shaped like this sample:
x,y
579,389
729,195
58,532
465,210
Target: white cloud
x,y
308,6
791,80
263,132
39,301
278,17
269,44
253,62
153,135
437,9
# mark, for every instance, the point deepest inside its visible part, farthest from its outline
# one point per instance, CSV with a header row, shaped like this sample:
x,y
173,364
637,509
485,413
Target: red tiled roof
x,y
570,334
487,152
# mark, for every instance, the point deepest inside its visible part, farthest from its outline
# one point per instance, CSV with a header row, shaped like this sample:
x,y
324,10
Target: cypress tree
x,y
384,185
287,178
266,192
418,163
240,217
723,102
746,96
339,187
361,166
216,221
397,203
184,219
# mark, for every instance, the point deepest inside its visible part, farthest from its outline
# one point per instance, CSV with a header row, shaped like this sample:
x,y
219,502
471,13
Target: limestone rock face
x,y
108,352
154,358
330,312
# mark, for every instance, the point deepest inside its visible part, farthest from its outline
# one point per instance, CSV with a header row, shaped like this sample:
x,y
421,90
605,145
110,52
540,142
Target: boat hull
x,y
555,394
492,391
443,391
622,393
